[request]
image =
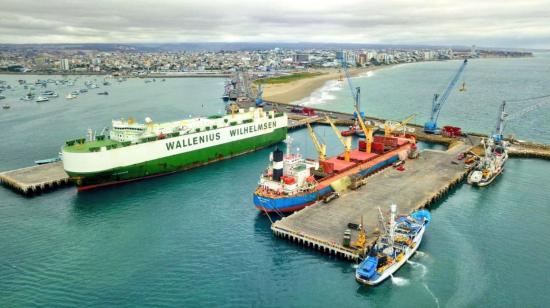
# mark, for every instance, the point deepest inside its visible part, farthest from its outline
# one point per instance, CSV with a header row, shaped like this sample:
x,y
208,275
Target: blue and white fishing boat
x,y
397,243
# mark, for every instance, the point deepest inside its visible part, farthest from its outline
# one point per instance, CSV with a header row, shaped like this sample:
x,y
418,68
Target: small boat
x,y
103,93
50,94
2,97
399,240
106,83
42,99
47,161
148,81
28,97
6,106
491,165
93,86
83,90
71,96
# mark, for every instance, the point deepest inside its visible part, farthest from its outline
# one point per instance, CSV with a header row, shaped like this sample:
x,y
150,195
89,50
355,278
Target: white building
x,y
64,64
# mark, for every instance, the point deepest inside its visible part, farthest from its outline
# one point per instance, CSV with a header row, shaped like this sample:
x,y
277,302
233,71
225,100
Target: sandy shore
x,y
294,91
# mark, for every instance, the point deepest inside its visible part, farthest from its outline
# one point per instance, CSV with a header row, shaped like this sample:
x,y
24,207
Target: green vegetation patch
x,y
289,78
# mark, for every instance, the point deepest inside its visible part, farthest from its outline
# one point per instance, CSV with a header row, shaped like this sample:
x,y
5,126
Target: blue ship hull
x,y
294,203
289,204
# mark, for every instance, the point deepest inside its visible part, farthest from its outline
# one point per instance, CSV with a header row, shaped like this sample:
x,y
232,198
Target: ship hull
x,y
175,163
289,204
396,266
285,204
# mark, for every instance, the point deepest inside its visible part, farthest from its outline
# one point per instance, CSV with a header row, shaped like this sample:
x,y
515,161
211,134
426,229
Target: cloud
x,y
498,23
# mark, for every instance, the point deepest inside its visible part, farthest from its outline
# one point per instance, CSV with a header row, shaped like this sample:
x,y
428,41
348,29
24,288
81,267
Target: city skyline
x,y
499,24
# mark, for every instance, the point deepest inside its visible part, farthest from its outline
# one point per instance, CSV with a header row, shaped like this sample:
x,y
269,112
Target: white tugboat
x,y
397,243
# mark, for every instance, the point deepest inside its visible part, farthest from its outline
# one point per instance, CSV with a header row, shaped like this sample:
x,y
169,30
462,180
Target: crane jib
x,y
440,100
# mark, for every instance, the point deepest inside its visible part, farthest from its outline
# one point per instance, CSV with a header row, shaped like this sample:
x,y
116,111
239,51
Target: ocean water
x,y
194,239
399,91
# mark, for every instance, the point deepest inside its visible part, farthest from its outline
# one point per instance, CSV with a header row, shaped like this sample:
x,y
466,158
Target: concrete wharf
x,y
321,226
36,179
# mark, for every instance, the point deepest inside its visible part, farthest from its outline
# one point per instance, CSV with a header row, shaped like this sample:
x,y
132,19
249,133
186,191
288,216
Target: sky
x,y
491,23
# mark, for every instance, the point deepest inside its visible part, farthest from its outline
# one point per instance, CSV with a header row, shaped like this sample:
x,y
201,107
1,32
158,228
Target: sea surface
x,y
194,239
398,91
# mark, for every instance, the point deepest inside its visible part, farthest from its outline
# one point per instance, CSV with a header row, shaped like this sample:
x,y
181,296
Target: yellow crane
x,y
390,127
345,141
321,147
361,238
368,131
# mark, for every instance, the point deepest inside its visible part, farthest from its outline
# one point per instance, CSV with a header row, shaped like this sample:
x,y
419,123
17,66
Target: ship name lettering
x,y
185,142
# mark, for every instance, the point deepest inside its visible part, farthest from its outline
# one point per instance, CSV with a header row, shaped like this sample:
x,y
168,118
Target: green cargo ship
x,y
131,151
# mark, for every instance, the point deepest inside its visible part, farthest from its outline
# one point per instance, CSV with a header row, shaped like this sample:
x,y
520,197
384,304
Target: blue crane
x,y
259,99
439,101
355,92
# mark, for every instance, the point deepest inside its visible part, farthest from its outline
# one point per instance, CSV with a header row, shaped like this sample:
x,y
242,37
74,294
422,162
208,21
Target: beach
x,y
294,91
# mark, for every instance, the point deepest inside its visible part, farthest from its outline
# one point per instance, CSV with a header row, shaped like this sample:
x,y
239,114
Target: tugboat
x,y
492,163
397,243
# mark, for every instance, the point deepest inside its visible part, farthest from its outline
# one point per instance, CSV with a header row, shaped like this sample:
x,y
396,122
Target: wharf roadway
x,y
321,226
36,179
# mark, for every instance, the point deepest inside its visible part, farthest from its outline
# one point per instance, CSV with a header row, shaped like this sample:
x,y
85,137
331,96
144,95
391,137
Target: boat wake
x,y
431,293
417,265
466,293
399,281
421,253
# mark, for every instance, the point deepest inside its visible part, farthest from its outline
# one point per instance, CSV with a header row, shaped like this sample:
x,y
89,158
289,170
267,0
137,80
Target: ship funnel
x,y
277,164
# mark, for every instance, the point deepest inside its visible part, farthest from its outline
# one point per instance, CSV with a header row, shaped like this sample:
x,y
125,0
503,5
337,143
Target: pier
x,y
36,179
43,178
321,226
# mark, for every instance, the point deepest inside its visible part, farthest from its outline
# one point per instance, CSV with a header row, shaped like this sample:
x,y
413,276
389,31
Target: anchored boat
x,y
491,165
131,151
397,243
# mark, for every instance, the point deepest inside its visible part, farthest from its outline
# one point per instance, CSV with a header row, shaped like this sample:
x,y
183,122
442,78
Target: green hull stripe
x,y
182,161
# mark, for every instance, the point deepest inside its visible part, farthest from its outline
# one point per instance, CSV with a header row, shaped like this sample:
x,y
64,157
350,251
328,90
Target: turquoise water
x,y
194,239
400,91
